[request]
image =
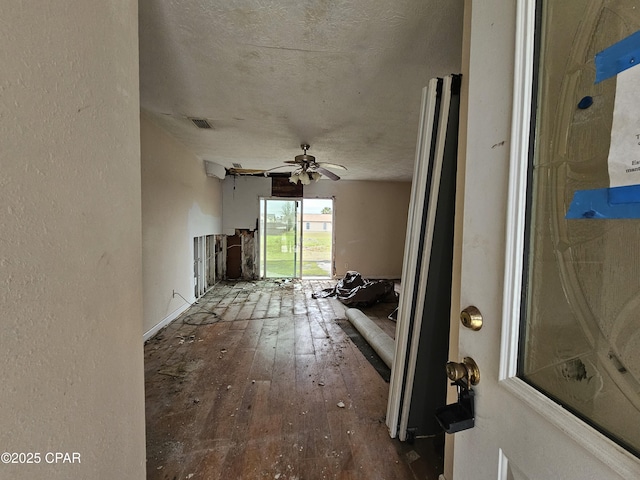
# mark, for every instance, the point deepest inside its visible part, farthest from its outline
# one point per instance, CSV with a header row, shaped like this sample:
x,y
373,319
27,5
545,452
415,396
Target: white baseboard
x,y
166,321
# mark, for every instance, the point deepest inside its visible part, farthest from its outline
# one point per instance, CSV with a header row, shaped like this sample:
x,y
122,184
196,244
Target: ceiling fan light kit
x,y
309,169
304,177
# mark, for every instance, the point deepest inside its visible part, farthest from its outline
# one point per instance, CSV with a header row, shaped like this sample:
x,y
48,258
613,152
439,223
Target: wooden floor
x,y
258,381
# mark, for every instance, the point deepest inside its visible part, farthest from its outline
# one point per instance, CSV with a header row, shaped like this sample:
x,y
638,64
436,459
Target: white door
x,y
520,433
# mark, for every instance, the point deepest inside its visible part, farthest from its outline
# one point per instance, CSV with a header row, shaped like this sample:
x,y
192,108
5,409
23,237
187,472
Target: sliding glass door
x,y
296,238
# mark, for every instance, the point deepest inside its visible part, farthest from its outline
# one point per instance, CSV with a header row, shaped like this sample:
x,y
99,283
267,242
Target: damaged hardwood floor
x,y
259,381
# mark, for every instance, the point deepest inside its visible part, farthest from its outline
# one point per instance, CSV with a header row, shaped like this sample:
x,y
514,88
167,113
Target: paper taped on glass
x,y
624,152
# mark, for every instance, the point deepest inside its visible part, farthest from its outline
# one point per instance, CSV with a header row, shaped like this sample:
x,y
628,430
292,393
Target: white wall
x,y
370,219
370,224
179,202
70,256
241,202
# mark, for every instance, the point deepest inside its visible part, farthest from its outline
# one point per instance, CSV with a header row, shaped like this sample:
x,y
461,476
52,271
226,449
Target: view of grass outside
x,y
281,255
282,259
283,224
316,254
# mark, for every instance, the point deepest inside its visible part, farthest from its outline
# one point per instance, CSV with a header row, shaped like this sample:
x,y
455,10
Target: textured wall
x,y
70,256
179,202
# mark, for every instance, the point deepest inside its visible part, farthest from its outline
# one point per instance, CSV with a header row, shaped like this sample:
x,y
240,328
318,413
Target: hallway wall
x,y
370,224
179,202
370,219
70,257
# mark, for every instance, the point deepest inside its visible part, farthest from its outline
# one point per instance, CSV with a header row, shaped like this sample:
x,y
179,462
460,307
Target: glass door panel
x,y
317,237
281,238
580,342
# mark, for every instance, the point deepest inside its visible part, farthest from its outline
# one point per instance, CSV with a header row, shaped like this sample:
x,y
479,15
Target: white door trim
x,y
517,196
598,445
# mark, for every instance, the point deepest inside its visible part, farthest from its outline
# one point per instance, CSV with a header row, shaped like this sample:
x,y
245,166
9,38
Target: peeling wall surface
x,y
70,257
179,202
221,256
250,270
370,219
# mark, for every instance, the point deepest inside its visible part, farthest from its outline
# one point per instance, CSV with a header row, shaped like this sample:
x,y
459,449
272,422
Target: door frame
x,y
596,444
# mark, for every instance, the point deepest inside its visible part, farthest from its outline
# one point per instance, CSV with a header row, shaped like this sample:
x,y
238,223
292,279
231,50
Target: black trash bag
x,y
353,290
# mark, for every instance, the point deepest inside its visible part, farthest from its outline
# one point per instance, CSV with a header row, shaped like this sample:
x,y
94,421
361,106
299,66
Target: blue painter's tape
x,y
628,194
603,203
618,57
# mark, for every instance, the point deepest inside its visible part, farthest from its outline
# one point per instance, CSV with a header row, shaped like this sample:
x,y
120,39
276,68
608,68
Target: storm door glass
x,y
580,339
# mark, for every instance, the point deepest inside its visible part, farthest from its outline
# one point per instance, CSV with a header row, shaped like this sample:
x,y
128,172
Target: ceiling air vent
x,y
201,123
237,165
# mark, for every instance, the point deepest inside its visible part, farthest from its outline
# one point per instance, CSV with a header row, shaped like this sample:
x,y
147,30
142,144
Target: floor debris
x,y
277,345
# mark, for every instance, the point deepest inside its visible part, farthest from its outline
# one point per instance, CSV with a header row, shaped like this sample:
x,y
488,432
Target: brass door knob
x,y
467,369
471,318
456,371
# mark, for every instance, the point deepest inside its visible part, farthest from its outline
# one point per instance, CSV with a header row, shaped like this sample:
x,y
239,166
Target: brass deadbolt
x,y
471,318
467,369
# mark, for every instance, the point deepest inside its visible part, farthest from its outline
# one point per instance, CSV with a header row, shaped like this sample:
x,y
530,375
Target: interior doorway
x,y
296,238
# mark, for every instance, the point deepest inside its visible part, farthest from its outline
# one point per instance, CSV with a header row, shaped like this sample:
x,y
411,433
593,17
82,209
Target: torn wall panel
x,y
238,255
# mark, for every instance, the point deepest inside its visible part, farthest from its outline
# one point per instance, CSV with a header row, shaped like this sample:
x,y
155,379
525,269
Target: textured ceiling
x,y
343,76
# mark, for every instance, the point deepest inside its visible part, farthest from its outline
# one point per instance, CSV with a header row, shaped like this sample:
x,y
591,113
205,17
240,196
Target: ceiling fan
x,y
307,169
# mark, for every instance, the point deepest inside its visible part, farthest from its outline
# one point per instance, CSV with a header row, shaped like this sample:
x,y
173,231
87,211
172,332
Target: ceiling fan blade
x,y
327,173
246,171
292,161
332,165
279,166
